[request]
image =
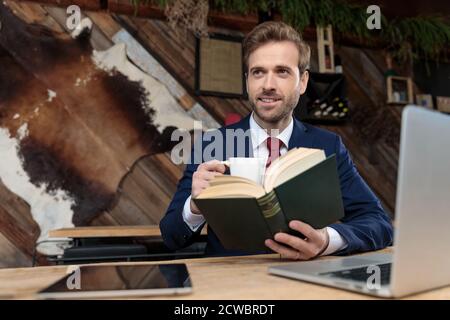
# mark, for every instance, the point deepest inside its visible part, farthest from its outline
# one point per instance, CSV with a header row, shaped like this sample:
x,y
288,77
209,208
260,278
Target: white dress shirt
x,y
259,137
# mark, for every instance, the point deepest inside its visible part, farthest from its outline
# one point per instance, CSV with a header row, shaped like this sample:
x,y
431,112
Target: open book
x,y
301,185
291,164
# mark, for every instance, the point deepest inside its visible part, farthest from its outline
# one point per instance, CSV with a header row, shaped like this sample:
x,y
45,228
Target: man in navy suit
x,y
276,61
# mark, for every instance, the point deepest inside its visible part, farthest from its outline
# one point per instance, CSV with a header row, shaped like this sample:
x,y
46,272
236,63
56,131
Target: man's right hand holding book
x,y
201,178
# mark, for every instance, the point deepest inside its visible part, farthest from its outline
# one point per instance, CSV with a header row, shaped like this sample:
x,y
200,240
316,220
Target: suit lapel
x,y
243,124
248,142
301,136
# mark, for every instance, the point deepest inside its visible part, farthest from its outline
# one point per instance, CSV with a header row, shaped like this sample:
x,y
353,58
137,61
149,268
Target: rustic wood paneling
x,y
177,55
17,227
371,134
147,191
11,256
18,230
34,13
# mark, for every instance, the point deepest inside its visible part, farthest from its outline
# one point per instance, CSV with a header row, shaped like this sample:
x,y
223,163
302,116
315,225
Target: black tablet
x,y
120,281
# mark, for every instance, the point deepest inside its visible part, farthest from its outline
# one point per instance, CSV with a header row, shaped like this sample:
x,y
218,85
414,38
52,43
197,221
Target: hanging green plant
x,y
297,13
407,38
136,4
411,38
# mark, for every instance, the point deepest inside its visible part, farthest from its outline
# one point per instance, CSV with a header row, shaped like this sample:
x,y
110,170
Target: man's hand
x,y
316,242
200,179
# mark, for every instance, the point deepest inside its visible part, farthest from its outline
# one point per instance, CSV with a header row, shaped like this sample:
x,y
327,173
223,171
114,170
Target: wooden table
x,y
212,278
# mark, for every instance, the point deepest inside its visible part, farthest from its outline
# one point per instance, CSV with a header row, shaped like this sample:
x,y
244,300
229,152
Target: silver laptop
x,y
421,257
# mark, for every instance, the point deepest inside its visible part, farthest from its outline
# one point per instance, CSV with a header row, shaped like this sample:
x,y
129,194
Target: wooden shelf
x,y
109,232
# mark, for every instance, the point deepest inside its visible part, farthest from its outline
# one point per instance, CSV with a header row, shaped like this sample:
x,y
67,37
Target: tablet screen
x,y
116,281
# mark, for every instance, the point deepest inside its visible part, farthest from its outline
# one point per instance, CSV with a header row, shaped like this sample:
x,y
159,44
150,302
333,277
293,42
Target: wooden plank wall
x,y
18,231
371,135
177,55
375,157
145,192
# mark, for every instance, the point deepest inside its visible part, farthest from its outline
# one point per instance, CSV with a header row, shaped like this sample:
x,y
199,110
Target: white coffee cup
x,y
250,168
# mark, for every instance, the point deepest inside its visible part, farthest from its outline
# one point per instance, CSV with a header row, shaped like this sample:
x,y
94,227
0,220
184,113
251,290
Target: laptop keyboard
x,y
362,274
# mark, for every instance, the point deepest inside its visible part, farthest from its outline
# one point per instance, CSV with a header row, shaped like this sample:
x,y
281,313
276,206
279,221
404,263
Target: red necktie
x,y
274,146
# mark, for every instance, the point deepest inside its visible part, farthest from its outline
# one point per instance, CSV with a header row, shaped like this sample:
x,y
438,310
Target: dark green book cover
x,y
314,197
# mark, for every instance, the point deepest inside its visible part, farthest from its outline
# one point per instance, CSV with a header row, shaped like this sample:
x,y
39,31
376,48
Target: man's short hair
x,y
276,31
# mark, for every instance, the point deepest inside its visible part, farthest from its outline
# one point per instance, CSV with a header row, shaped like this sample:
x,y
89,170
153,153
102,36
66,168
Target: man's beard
x,y
288,105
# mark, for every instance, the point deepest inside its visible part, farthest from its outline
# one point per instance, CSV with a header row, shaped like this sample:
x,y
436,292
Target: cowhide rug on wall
x,y
73,122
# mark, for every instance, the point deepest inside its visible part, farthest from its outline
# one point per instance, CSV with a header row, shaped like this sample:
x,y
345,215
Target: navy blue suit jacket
x,y
365,226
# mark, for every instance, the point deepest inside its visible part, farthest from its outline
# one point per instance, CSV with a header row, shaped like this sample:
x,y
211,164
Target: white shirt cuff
x,y
336,243
194,221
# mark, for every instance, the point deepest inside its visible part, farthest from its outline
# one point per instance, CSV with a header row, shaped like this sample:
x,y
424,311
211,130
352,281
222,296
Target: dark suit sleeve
x,y
175,232
365,226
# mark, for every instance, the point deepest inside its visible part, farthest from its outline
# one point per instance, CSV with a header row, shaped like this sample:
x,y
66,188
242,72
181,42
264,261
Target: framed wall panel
x,y
219,69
